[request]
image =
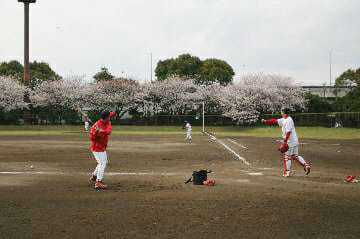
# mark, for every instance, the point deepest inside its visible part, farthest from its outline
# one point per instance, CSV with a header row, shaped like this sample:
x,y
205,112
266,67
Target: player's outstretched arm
x,y
269,121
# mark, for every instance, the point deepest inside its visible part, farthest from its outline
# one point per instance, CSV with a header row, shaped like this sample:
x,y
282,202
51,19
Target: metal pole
x,y
330,67
26,43
151,71
203,115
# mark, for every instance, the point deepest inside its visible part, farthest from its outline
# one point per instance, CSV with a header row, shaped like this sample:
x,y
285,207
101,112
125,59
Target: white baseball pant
x,y
188,134
87,126
101,159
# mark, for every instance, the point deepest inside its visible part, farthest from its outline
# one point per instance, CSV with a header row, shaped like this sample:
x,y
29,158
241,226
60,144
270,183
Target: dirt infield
x,y
148,199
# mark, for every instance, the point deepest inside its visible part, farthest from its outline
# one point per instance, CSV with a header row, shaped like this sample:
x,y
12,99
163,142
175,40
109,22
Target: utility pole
x,y
26,39
330,67
151,70
27,114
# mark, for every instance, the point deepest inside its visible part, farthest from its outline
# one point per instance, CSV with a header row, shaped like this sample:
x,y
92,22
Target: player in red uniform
x,y
99,136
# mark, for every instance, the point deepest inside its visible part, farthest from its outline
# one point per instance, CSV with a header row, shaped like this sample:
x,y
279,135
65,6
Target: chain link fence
x,y
334,119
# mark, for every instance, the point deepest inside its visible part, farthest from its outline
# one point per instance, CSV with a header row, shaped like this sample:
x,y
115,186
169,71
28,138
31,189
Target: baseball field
x,y
45,192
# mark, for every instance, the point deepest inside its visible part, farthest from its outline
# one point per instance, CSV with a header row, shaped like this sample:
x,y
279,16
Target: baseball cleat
x,y
307,169
100,185
286,174
93,178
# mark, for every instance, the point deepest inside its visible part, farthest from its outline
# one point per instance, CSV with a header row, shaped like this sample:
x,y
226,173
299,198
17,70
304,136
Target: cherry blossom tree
x,y
11,94
211,96
116,95
173,95
258,93
147,98
61,95
243,101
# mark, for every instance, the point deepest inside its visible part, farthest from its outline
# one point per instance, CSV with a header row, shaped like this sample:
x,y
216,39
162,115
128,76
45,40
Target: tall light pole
x,y
151,70
330,66
26,39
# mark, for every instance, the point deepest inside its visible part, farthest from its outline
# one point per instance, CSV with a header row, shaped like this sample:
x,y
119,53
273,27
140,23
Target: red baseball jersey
x,y
99,140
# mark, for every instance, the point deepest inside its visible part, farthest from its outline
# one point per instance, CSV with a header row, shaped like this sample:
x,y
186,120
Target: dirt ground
x,y
147,197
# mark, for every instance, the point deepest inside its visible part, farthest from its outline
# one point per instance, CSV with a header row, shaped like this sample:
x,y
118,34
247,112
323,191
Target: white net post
x,y
203,116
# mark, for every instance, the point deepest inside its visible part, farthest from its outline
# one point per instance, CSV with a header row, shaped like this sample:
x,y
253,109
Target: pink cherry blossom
x,y
11,94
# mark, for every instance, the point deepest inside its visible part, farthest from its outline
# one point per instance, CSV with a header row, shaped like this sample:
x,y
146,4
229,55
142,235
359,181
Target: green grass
x,y
304,132
76,130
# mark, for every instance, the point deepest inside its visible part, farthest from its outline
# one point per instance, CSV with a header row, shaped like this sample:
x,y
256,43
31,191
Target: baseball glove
x,y
351,179
284,147
209,182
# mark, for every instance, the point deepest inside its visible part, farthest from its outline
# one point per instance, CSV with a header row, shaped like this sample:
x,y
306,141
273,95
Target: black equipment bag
x,y
199,177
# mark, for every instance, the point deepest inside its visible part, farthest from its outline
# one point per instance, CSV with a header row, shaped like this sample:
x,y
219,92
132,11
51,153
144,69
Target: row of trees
x,y
179,89
206,72
39,71
242,101
348,103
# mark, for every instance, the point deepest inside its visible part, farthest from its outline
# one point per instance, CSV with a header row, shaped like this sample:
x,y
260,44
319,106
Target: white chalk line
x,y
163,174
243,180
236,143
322,144
281,141
83,173
228,148
255,174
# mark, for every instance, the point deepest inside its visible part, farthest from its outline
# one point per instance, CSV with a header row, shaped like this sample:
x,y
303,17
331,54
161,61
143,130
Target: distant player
x,y
99,135
290,137
187,126
87,122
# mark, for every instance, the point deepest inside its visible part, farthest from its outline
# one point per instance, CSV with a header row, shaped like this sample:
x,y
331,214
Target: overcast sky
x,y
284,37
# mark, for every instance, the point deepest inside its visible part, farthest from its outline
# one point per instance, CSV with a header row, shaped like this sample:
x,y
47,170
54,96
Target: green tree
x,y
316,104
350,102
12,68
186,66
103,75
39,71
165,69
349,78
215,71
